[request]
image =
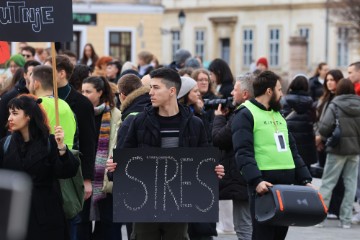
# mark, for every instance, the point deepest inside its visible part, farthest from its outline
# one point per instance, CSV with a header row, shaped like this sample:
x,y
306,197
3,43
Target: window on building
x,y
200,43
73,46
274,47
248,44
176,40
343,47
225,49
305,32
120,46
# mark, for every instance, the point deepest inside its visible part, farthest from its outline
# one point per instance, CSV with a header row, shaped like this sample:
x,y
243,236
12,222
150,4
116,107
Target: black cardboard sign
x,y
36,20
166,185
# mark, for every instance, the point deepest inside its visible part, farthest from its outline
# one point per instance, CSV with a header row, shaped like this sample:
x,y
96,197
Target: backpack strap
x,y
6,143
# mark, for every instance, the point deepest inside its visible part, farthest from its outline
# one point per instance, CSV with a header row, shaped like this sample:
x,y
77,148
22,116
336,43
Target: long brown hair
x,y
319,67
327,95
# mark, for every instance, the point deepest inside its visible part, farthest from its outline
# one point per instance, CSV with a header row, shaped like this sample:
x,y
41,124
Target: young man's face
x,y
354,74
274,102
160,95
27,55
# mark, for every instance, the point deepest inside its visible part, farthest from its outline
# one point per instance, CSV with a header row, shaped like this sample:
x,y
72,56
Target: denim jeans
x,y
348,166
242,219
73,227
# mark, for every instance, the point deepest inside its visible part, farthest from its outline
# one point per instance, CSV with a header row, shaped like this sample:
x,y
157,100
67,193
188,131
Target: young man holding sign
x,y
265,151
165,124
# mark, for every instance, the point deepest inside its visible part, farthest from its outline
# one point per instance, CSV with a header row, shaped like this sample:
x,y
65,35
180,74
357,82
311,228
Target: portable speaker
x,y
290,205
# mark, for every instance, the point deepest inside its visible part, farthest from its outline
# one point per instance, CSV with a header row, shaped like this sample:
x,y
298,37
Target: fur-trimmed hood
x,y
135,101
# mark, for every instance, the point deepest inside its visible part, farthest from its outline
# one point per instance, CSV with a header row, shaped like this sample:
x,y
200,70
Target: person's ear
x,y
172,91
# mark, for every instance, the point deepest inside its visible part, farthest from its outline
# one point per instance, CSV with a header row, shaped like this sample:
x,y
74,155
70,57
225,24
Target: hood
x,y
348,103
300,102
135,101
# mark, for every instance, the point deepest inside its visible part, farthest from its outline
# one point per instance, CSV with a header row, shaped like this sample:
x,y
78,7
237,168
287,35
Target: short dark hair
x,y
30,49
344,86
263,81
63,63
30,63
356,65
299,83
80,72
44,75
128,83
168,76
70,54
102,84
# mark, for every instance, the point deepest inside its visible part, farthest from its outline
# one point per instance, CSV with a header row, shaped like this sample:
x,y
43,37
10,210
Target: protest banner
x,y
37,21
166,185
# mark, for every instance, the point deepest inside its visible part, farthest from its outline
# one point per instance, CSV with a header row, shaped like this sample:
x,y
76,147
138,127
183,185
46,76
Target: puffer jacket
x,y
300,116
348,106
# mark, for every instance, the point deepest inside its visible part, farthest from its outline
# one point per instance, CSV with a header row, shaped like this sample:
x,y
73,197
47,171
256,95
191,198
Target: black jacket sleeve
x,y
221,132
64,166
87,136
123,131
243,142
131,136
301,171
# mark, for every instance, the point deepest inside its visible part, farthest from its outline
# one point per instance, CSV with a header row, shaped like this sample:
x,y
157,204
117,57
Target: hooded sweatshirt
x,y
348,107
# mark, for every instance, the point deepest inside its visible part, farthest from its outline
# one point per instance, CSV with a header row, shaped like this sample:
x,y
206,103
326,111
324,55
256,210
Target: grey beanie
x,y
181,55
192,62
187,83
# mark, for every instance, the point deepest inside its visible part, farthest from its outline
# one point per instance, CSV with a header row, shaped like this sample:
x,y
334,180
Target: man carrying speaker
x,y
265,152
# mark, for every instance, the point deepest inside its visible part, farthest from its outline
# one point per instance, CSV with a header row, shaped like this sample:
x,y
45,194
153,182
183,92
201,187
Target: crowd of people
x,y
265,137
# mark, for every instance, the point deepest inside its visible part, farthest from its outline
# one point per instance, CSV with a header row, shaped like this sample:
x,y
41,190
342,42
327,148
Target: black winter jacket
x,y
47,219
145,130
84,113
243,141
135,102
316,89
226,89
300,116
19,88
232,185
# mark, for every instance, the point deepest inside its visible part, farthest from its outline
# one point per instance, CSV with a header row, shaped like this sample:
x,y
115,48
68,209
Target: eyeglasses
x,y
203,80
26,55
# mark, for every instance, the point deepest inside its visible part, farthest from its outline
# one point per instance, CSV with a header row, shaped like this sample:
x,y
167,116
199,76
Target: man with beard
x,y
265,151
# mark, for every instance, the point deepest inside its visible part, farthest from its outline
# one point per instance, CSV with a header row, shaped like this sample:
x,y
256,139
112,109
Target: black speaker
x,y
290,205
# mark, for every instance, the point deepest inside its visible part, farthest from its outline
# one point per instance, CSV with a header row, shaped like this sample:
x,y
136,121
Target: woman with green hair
x,y
15,62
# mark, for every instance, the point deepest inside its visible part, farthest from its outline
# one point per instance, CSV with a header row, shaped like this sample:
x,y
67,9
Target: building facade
x,y
242,31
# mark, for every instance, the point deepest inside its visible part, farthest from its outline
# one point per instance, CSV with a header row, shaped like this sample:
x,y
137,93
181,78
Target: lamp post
x,y
181,18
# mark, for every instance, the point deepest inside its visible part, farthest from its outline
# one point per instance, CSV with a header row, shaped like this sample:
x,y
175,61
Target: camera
x,y
214,103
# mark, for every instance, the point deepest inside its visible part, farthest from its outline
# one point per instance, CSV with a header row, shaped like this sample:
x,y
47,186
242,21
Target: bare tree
x,y
348,10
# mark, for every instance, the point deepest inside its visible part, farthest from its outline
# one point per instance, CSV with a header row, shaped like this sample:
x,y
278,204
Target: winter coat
x,y
243,141
232,185
316,89
135,102
348,107
145,130
19,88
300,116
226,89
47,219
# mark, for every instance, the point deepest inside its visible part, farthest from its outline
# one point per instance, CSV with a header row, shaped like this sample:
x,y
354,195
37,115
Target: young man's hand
x,y
262,187
110,165
220,171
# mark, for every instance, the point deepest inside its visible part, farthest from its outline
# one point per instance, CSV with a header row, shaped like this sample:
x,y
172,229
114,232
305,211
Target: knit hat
x,y
262,61
192,62
180,56
18,59
187,83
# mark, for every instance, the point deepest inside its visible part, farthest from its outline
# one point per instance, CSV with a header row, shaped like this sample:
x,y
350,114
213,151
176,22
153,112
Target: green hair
x,y
18,59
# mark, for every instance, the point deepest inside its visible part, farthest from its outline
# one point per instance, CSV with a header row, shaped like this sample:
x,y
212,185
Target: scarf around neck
x,y
102,151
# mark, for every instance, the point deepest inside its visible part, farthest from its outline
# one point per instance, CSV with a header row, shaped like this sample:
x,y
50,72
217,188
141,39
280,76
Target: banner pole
x,y
56,96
